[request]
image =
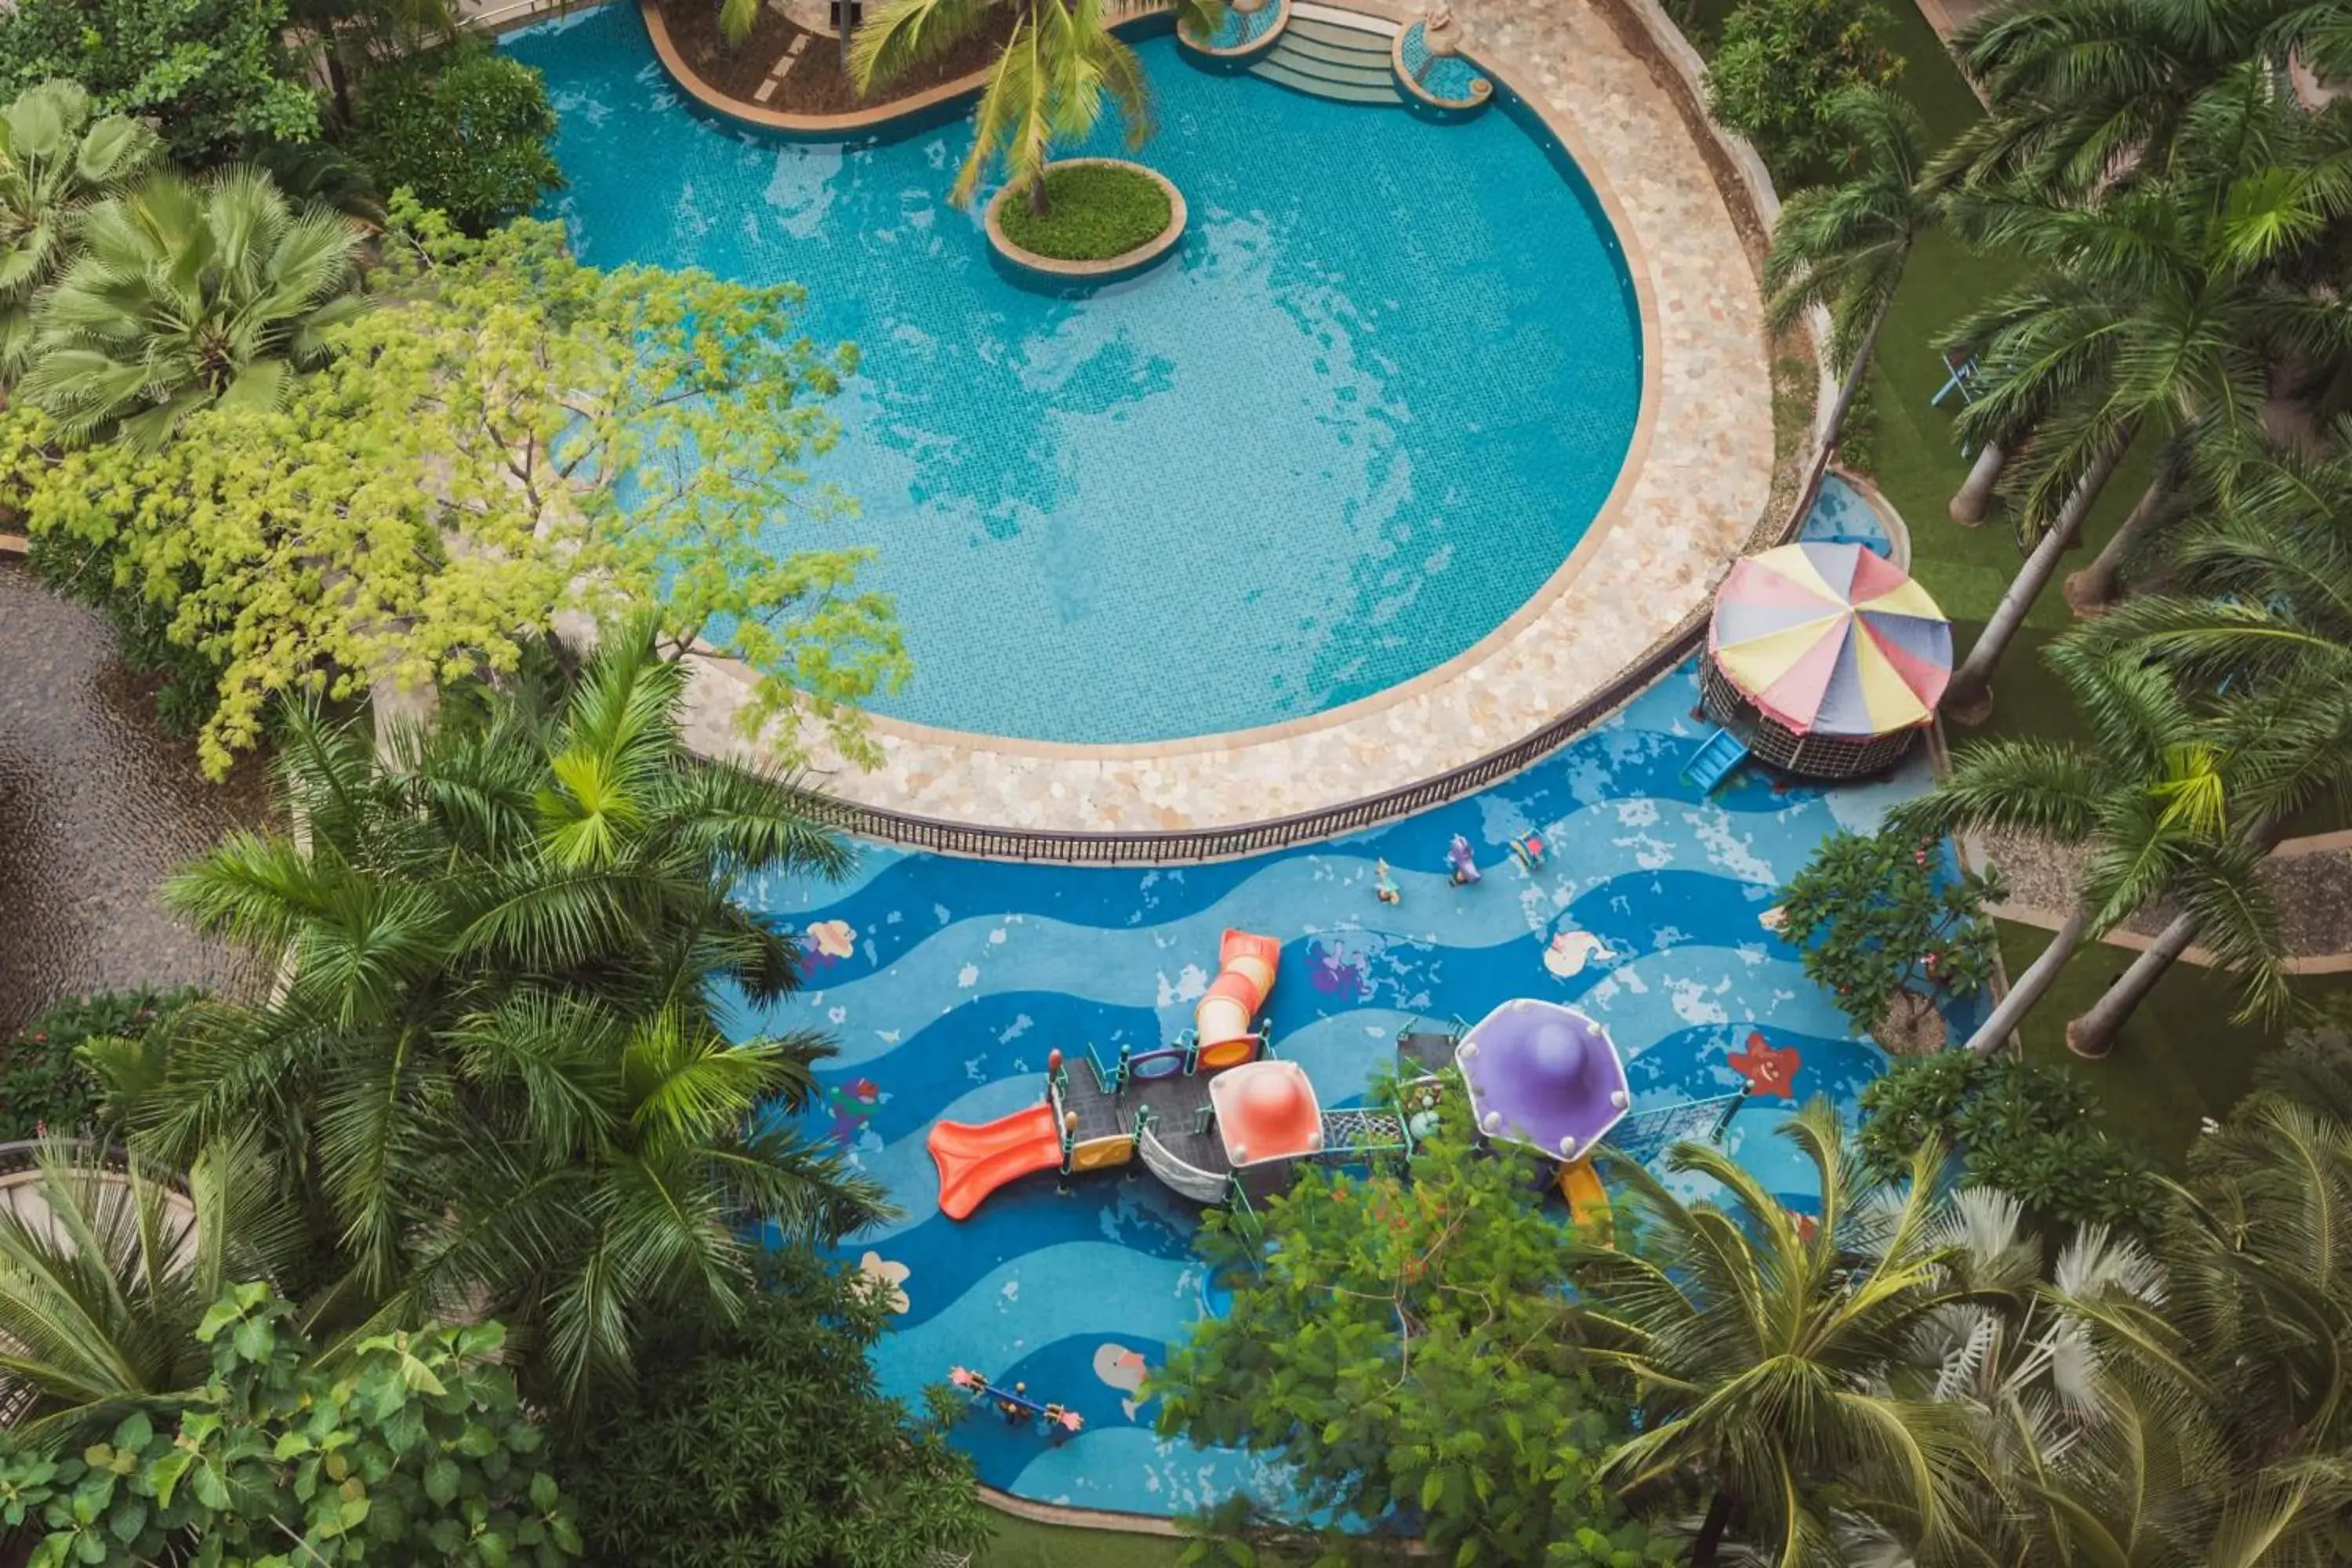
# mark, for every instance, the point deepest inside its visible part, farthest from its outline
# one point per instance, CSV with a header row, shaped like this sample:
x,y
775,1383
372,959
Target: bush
x,y
1093,212
466,131
1879,925
765,1444
1780,63
44,1086
2028,1129
213,73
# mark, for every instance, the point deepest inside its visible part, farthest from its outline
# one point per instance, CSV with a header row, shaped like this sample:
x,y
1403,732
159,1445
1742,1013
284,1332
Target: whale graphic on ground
x,y
1123,1369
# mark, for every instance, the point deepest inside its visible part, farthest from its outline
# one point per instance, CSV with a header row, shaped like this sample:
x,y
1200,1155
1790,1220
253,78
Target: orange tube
x,y
1246,963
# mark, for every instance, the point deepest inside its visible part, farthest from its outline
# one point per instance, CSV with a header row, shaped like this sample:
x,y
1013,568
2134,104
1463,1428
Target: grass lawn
x,y
2180,1058
1093,212
1022,1544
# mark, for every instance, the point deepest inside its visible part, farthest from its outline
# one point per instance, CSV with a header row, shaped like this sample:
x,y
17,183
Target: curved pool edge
x,y
1677,511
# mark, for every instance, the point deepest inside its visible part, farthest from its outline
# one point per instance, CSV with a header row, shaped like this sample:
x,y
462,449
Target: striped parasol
x,y
1830,639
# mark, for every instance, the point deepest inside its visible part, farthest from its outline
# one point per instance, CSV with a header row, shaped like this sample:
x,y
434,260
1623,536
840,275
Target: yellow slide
x,y
1588,1200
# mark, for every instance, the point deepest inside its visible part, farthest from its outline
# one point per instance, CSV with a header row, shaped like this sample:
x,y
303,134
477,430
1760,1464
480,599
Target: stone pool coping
x,y
1104,270
1694,487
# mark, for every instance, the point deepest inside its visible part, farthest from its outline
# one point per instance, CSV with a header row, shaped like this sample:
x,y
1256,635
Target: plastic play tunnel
x,y
1223,1021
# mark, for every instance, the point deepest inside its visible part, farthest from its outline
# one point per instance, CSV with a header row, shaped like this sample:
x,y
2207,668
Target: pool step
x,y
1328,53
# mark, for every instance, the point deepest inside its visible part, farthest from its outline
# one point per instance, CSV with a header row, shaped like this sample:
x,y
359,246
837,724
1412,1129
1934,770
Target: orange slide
x,y
975,1159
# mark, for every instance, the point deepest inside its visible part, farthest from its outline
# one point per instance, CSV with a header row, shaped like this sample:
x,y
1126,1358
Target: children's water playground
x,y
1001,1027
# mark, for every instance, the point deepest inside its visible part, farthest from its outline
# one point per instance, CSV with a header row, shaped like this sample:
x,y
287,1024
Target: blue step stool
x,y
1717,759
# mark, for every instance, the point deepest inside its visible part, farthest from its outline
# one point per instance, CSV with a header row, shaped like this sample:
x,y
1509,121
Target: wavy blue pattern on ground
x,y
958,976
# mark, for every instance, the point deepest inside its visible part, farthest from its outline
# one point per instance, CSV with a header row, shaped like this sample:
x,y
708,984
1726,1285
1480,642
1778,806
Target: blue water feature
x,y
1841,515
1359,420
947,980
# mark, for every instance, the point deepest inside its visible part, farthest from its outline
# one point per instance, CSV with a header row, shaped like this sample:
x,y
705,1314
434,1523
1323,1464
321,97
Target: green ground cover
x,y
1020,1543
2179,1060
1093,212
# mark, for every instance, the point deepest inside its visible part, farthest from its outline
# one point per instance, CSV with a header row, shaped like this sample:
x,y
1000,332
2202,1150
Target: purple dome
x,y
1543,1075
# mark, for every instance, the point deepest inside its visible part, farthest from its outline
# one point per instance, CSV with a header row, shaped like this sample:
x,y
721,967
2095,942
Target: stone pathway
x,y
2310,879
96,808
1697,483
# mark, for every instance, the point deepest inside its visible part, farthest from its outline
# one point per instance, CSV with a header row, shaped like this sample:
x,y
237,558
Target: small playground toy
x,y
1530,850
1549,1078
1464,861
1384,887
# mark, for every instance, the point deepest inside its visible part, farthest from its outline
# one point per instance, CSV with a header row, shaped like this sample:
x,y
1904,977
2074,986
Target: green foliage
x,y
2026,1128
467,131
1093,211
411,1449
187,297
1883,928
494,1070
1761,1345
1060,64
53,160
797,1459
518,436
44,1087
1408,1349
1780,68
211,72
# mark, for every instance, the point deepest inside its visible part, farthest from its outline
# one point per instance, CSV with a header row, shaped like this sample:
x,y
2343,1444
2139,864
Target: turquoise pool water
x,y
1357,422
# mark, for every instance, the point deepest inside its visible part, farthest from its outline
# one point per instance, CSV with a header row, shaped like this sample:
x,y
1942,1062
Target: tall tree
x,y
187,297
1401,1341
493,1063
2158,795
1844,246
1060,62
1758,1344
512,438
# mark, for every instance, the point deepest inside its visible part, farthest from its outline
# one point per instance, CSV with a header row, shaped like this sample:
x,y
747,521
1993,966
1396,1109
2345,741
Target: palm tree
x,y
185,296
53,161
494,1060
1844,246
1058,64
2162,798
2164,306
107,1266
1759,1345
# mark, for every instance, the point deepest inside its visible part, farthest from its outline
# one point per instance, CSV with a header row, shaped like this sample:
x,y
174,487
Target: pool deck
x,y
1696,485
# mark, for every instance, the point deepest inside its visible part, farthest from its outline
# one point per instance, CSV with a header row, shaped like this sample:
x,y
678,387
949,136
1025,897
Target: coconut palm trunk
x,y
2090,591
2033,985
1968,503
1857,372
1968,698
2094,1034
1709,1545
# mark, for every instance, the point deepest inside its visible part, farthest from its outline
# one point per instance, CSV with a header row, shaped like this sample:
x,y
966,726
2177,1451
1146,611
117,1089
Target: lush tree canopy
x,y
1405,1341
797,1460
410,1449
467,131
514,437
213,72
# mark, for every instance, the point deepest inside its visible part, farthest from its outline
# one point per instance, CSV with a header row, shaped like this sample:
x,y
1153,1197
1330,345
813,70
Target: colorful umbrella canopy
x,y
1830,639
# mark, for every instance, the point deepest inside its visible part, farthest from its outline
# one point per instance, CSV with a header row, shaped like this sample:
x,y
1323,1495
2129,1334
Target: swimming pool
x,y
1361,418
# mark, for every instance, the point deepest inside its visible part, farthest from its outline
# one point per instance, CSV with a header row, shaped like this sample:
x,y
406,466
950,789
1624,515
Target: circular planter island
x,y
1106,221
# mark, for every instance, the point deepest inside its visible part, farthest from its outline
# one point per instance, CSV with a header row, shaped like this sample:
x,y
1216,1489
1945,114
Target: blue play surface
x,y
946,982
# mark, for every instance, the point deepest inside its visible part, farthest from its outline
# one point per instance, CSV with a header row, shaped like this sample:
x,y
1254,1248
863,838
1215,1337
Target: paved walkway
x,y
2310,880
1696,483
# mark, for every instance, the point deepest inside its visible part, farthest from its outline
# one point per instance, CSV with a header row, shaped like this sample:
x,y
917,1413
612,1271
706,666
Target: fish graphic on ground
x,y
1123,1369
1571,951
1335,973
829,941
